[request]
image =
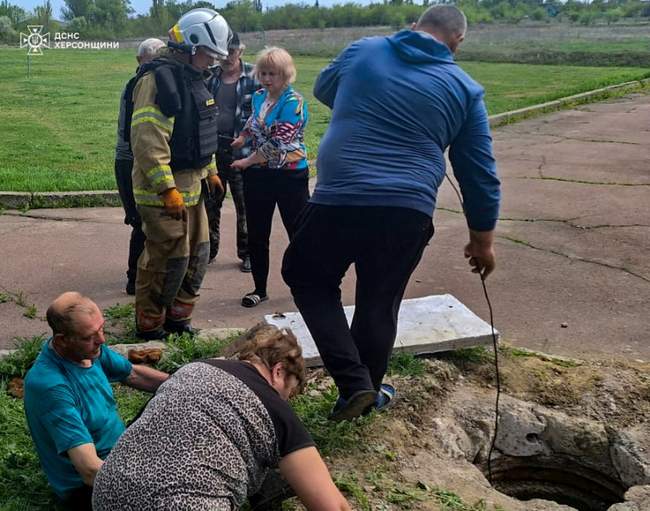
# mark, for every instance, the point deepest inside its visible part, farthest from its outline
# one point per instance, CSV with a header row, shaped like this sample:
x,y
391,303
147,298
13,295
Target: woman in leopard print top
x,y
211,433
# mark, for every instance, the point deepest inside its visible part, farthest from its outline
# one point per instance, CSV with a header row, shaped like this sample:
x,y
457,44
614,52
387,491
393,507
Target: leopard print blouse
x,y
204,442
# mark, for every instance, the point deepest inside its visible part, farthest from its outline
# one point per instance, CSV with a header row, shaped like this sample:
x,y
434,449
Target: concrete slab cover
x,y
429,324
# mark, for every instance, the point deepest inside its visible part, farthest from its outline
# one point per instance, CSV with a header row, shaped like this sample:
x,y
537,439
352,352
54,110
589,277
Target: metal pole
x,y
29,66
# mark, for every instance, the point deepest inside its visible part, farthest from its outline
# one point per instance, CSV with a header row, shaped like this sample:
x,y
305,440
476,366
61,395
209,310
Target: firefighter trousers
x,y
171,267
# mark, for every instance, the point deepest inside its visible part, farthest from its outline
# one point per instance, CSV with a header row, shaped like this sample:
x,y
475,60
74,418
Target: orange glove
x,y
215,186
174,204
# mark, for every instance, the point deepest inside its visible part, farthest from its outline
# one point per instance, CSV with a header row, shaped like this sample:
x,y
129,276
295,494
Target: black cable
x,y
498,382
494,344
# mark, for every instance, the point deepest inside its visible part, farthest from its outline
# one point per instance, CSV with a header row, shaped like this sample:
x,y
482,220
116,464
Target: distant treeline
x,y
113,19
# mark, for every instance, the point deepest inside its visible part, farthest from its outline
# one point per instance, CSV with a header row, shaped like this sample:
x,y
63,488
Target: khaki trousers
x,y
171,267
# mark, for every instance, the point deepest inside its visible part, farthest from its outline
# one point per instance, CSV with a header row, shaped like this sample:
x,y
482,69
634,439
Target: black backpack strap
x,y
130,87
128,109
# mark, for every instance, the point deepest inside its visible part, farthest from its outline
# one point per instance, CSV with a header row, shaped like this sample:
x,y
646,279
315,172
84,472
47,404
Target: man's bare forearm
x,y
145,378
86,462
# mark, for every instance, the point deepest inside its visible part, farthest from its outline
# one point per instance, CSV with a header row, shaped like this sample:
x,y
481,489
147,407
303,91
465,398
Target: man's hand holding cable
x,y
480,251
174,204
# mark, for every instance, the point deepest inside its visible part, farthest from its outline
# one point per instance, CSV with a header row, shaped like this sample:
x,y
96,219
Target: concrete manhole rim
x,y
573,461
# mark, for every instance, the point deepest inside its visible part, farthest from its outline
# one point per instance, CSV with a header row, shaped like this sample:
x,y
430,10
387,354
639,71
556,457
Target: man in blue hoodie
x,y
397,103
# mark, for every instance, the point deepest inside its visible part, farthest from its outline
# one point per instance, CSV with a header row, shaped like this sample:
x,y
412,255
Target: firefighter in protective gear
x,y
173,137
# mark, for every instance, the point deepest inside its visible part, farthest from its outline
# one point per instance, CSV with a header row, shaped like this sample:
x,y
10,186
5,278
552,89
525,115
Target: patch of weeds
x,y
17,363
183,349
313,407
30,311
119,311
349,485
20,299
385,453
290,505
22,483
405,497
406,364
514,352
129,401
120,316
376,476
469,356
449,501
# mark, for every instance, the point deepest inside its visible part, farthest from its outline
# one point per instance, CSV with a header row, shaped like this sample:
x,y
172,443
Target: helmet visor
x,y
213,54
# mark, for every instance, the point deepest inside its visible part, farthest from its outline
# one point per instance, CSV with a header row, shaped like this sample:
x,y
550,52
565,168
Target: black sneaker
x,y
178,327
130,288
246,265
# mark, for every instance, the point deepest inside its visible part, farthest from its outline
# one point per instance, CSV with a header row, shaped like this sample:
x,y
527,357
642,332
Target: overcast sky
x,y
142,6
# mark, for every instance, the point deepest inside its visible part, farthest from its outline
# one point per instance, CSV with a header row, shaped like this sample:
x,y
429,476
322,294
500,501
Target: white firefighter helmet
x,y
202,27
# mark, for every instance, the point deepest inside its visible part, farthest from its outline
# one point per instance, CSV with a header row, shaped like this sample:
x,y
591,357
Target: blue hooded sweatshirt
x,y
397,103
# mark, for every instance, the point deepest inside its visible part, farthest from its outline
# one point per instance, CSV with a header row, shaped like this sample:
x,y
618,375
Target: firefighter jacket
x,y
156,138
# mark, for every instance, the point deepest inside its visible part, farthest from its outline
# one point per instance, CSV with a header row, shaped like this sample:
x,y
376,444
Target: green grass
x,y
120,324
406,364
23,485
183,349
21,360
58,127
330,437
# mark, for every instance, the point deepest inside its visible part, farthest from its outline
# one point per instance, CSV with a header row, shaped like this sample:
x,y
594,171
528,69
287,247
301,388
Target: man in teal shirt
x,y
69,403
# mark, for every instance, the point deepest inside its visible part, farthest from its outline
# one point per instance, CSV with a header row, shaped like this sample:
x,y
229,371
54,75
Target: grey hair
x,y
149,47
447,19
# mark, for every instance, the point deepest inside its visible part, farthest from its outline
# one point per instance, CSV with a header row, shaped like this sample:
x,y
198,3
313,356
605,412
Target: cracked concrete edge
x,y
38,200
98,198
569,101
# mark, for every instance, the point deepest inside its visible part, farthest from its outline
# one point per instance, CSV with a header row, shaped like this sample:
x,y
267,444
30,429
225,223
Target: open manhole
x,y
545,454
559,478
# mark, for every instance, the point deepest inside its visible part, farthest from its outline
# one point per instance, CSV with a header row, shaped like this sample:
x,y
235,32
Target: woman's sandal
x,y
253,299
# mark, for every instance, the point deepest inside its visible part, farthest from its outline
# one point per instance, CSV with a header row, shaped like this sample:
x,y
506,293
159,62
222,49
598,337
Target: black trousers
x,y
230,178
385,244
263,189
123,170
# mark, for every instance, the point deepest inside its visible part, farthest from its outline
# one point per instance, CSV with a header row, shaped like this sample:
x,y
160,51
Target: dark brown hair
x,y
269,345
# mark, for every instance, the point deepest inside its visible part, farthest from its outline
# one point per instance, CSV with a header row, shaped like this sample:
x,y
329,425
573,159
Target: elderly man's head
x,y
148,50
446,23
235,50
77,326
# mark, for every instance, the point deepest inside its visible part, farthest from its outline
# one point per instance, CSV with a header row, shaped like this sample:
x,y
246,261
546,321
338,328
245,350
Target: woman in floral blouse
x,y
276,172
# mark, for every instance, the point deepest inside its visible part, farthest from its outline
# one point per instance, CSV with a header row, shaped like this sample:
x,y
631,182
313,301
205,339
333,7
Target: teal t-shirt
x,y
67,405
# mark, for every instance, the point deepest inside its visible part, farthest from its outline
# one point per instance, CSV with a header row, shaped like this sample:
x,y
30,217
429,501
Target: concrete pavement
x,y
573,274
